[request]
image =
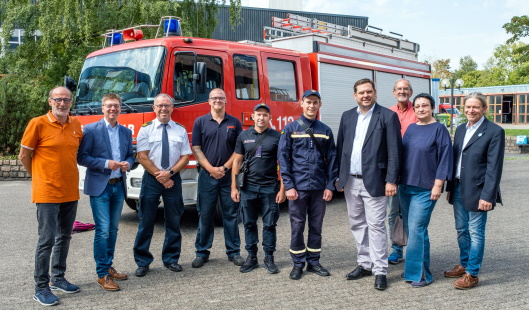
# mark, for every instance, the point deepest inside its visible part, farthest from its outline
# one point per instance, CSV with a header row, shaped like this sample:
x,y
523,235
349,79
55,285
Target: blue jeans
x,y
211,190
55,232
393,212
106,210
173,208
254,199
416,208
470,227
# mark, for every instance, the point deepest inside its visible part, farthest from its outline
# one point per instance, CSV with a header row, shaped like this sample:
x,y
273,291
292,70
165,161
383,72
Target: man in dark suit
x,y
106,152
479,146
369,148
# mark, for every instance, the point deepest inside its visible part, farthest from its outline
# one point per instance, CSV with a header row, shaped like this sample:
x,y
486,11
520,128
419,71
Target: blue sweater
x,y
427,155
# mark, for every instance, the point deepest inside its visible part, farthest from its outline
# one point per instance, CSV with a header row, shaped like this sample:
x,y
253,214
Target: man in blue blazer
x,y
369,149
106,152
479,147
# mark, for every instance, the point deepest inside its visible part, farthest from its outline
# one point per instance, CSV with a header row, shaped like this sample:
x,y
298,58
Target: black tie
x,y
165,148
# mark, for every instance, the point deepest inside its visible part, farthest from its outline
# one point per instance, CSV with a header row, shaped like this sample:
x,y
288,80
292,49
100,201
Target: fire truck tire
x,y
132,203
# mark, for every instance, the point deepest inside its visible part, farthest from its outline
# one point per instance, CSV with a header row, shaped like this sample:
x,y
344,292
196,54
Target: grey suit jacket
x,y
381,152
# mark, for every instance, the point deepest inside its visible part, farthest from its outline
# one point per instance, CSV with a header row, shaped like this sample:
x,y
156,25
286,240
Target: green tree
x,y
58,34
441,69
519,28
466,64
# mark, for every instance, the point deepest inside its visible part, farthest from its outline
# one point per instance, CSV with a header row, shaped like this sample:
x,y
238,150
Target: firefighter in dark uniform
x,y
262,191
308,172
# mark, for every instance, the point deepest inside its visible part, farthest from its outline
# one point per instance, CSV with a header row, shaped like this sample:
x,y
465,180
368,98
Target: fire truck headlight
x,y
135,182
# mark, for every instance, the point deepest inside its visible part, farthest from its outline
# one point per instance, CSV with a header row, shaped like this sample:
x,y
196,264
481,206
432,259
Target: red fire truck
x,y
250,73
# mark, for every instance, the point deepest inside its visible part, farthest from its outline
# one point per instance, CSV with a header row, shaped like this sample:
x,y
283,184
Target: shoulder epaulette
x,y
180,124
146,124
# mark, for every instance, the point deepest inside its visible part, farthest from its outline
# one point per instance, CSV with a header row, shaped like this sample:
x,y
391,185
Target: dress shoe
x,y
270,265
319,270
358,273
173,267
250,264
141,271
237,260
296,272
421,283
466,282
116,275
381,283
456,272
199,261
107,283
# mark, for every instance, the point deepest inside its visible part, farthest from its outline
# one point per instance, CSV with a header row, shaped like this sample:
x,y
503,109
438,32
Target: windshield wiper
x,y
129,108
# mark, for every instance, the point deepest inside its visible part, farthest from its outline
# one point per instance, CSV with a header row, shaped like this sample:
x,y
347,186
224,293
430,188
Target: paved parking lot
x,y
219,284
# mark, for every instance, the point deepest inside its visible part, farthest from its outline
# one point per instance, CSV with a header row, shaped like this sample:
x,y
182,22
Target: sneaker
x,y
250,264
237,260
199,261
64,285
395,258
270,265
45,297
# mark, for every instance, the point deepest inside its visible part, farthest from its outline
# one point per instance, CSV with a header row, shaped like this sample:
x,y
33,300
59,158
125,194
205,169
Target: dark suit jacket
x,y
381,152
481,165
94,152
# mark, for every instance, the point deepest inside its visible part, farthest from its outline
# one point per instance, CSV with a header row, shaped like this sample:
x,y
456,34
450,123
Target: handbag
x,y
240,178
399,236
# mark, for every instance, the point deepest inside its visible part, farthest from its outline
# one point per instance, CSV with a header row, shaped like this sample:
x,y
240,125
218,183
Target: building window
x,y
246,77
282,80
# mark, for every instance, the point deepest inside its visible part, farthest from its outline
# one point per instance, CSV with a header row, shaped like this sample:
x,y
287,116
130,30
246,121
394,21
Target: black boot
x,y
269,264
250,264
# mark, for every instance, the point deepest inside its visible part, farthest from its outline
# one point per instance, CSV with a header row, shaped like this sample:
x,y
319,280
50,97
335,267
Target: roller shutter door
x,y
336,88
419,85
385,82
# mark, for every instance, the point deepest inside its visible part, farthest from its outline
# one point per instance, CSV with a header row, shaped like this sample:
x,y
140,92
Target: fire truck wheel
x,y
132,203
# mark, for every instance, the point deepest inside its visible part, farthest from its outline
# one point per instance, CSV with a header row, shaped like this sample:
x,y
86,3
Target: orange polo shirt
x,y
406,116
55,176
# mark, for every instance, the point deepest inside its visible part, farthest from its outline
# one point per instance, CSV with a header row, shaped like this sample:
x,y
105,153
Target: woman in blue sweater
x,y
427,164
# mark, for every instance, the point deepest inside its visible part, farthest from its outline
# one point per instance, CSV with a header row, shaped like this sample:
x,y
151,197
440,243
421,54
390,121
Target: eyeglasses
x,y
161,106
403,89
59,100
217,98
110,106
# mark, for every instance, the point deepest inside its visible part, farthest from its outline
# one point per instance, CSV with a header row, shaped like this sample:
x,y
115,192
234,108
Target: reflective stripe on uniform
x,y
313,250
317,135
297,252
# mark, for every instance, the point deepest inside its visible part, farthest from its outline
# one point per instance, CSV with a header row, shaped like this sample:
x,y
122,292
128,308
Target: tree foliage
x,y
58,34
441,69
466,64
519,28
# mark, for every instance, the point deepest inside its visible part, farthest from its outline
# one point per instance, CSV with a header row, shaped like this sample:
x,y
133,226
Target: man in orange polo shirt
x,y
404,109
48,152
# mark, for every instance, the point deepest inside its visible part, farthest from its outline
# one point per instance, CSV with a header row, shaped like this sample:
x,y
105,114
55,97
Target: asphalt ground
x,y
220,285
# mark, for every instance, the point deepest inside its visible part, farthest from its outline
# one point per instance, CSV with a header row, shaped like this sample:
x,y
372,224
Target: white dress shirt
x,y
113,136
360,136
471,130
150,139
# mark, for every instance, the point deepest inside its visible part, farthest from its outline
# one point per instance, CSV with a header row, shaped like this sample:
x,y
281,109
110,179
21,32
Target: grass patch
x,y
2,157
516,132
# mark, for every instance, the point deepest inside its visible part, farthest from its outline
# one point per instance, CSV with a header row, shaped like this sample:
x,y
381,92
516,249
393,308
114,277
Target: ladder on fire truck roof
x,y
296,25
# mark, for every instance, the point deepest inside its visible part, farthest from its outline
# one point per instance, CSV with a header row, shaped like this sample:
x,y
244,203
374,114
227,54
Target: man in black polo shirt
x,y
261,187
214,136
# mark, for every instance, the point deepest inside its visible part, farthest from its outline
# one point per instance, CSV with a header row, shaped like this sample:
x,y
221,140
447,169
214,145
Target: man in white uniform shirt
x,y
163,150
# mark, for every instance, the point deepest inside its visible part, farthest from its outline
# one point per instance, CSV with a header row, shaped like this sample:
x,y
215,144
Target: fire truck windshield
x,y
134,74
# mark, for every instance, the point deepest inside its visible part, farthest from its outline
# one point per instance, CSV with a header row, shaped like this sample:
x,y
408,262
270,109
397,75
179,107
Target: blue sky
x,y
444,29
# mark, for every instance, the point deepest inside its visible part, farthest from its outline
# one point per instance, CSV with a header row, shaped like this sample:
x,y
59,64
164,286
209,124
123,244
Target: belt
x,y
358,176
114,180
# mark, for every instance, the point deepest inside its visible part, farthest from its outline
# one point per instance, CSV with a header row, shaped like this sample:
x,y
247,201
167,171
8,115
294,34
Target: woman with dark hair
x,y
427,164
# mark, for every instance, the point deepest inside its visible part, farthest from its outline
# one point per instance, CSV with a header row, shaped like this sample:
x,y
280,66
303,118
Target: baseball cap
x,y
262,105
311,92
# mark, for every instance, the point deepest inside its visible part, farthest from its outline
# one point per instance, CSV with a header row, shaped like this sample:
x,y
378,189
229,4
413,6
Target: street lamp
x,y
451,83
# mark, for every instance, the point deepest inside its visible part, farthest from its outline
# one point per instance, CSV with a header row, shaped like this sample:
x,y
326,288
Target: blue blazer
x,y
381,152
95,150
481,165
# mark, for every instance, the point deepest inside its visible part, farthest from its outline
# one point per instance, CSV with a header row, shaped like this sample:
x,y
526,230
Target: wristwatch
x,y
225,169
171,172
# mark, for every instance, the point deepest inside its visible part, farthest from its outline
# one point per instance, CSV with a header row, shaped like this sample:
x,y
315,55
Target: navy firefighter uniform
x,y
303,168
